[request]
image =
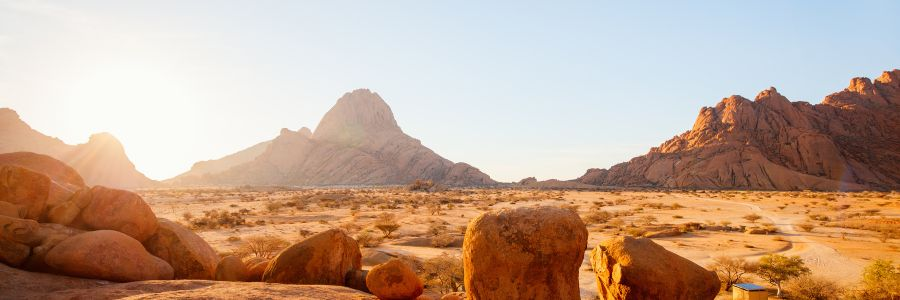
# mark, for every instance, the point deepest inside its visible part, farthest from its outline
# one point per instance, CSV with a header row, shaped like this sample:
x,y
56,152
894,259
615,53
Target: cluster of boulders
x,y
52,222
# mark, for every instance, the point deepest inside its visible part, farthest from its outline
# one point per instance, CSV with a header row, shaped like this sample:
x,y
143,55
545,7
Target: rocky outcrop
x,y
848,142
524,253
394,280
118,210
638,268
24,189
100,161
188,254
358,142
324,258
109,255
19,284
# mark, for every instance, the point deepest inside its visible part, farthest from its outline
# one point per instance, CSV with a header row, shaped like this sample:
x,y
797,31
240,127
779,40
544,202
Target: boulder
x,y
22,231
394,280
118,210
108,255
188,254
58,171
65,212
231,268
324,258
527,253
638,268
26,189
454,296
9,210
47,237
255,268
12,253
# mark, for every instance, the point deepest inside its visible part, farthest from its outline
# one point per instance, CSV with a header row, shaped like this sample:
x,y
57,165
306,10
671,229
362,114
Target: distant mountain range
x,y
100,161
850,141
358,142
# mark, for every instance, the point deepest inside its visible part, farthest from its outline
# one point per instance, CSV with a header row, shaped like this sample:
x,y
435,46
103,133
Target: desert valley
x,y
601,150
750,182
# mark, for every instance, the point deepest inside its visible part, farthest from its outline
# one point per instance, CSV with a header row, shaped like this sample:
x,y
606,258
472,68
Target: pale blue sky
x,y
515,88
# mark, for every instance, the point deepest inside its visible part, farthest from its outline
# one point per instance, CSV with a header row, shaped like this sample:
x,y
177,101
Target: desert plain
x,y
836,233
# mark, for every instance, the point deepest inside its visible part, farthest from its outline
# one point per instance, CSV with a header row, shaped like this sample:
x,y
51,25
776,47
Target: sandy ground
x,y
832,252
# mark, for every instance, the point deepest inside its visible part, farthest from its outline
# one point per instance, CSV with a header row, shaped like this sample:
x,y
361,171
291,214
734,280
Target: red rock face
x,y
850,141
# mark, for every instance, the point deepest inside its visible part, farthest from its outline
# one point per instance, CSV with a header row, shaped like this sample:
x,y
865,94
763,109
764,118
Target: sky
x,y
515,88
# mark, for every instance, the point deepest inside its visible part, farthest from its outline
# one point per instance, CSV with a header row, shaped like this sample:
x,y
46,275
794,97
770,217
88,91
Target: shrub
x,y
442,240
274,206
752,218
214,219
265,246
445,272
367,239
596,217
881,280
813,288
807,227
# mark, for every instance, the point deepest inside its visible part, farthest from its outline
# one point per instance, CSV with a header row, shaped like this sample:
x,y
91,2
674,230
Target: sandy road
x,y
821,259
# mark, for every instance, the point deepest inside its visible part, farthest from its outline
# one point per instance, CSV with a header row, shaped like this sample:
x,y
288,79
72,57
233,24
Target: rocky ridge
x,y
850,141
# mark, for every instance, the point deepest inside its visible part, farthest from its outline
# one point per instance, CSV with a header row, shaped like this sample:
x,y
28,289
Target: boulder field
x,y
108,244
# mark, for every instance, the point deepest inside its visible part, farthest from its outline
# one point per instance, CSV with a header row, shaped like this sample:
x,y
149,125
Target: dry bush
x,y
387,224
444,272
214,219
752,218
442,240
807,227
274,206
813,288
367,239
265,246
880,280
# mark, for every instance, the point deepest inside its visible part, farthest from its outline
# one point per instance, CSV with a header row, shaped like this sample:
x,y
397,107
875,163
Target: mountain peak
x,y
356,115
7,113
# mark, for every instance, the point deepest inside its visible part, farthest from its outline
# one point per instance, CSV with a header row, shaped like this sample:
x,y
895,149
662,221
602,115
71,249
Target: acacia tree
x,y
730,270
777,268
387,224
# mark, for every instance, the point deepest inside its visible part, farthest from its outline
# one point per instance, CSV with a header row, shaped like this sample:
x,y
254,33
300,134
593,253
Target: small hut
x,y
748,291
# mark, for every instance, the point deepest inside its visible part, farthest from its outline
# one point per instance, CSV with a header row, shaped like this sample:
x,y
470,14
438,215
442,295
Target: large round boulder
x,y
108,255
324,258
394,280
256,266
524,253
231,268
57,170
638,268
118,210
26,189
48,236
184,250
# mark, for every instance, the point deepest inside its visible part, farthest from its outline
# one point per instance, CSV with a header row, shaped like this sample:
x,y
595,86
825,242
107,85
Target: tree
x,y
730,270
777,268
752,218
387,224
881,279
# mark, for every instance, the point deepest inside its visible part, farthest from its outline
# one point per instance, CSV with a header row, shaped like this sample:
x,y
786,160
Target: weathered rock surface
x,y
638,268
231,268
358,142
256,267
25,189
57,171
324,258
108,255
848,142
18,284
524,253
100,161
46,237
394,280
117,210
189,255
